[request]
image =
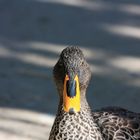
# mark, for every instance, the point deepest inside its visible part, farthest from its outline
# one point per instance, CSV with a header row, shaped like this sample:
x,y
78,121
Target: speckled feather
x,y
79,126
112,123
118,124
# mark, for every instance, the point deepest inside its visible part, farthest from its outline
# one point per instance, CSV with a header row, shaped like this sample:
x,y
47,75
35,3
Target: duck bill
x,y
71,95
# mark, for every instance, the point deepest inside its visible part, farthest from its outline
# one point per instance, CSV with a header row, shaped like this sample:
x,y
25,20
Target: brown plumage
x,y
118,124
110,123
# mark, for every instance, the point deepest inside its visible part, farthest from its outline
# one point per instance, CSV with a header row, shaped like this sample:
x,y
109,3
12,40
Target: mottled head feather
x,y
72,62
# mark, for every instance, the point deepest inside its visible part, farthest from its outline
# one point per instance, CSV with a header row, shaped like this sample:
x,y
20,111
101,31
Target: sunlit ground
x,y
24,125
31,40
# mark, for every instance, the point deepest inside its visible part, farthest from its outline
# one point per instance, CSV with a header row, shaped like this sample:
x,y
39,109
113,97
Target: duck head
x,y
71,75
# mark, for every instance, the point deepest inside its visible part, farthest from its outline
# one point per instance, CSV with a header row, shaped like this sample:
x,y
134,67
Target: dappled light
x,y
32,35
130,9
98,5
130,64
28,57
123,30
17,124
53,48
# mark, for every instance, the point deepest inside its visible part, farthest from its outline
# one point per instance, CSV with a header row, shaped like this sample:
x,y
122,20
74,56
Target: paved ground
x,y
32,35
18,124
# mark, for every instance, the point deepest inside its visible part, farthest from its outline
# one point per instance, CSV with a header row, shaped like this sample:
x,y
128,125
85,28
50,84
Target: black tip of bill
x,y
71,88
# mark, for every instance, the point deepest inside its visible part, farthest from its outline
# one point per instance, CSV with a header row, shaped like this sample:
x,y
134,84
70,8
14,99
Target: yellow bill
x,y
71,95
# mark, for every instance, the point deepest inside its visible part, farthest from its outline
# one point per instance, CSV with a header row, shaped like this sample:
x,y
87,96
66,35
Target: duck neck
x,y
77,126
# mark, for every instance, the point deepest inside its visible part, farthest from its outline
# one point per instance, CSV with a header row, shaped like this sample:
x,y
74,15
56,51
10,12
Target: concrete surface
x,y
32,35
24,125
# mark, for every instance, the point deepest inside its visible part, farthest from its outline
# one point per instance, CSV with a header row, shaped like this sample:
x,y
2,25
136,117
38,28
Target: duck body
x,y
74,119
117,123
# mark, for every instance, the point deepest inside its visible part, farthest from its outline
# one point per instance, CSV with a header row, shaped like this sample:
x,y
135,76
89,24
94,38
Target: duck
x,y
75,119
